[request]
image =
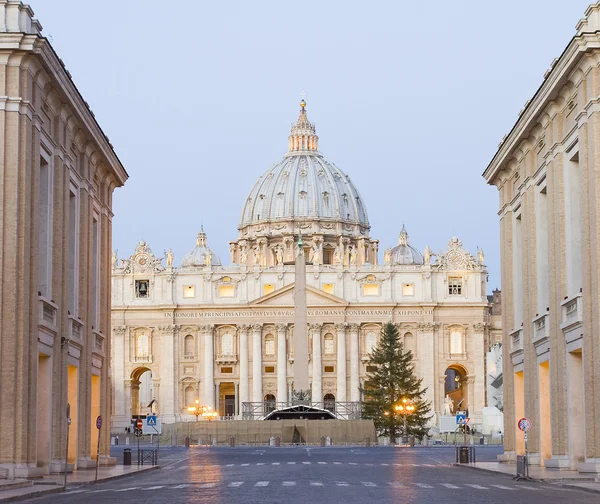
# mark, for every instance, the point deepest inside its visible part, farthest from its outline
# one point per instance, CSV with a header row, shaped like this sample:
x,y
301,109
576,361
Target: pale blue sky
x,y
410,99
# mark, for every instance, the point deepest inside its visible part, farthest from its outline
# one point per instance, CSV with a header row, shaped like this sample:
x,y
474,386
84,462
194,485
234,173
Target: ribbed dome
x,y
404,253
201,254
304,186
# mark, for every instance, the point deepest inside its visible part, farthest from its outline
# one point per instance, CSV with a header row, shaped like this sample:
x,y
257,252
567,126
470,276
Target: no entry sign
x,y
140,423
524,424
98,422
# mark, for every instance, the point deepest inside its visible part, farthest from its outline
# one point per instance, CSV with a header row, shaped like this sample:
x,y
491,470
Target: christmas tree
x,y
392,388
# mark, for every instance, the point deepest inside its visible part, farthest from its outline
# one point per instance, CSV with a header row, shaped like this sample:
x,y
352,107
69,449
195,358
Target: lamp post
x,y
405,408
208,414
195,410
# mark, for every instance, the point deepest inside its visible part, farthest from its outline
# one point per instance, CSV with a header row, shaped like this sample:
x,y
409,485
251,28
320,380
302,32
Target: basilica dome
x,y
404,253
304,187
201,254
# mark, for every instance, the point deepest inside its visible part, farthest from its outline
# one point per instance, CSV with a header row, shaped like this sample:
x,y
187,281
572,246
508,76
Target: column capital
x,y
315,327
257,327
243,327
281,328
470,379
341,327
207,328
167,330
354,327
442,378
479,327
119,330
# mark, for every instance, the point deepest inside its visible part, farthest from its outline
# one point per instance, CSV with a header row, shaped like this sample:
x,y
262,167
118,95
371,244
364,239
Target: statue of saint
x,y
315,254
115,259
169,255
337,255
448,406
256,251
232,253
480,256
243,255
353,255
208,258
387,256
279,254
427,255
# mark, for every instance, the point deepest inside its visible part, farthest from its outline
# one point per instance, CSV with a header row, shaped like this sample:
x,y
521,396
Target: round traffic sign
x,y
98,422
140,423
524,424
138,433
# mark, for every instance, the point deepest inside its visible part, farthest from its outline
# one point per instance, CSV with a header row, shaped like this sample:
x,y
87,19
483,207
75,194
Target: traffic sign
x,y
138,433
461,418
151,420
98,422
524,424
140,423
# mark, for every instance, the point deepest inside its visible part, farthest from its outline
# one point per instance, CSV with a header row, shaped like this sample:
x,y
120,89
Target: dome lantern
x,y
303,134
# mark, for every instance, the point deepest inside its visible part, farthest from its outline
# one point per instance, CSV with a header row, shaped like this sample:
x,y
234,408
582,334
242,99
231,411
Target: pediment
x,y
285,297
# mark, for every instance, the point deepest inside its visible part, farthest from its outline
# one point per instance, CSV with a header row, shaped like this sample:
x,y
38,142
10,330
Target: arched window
x,y
141,346
269,344
329,402
188,346
328,344
409,342
269,403
227,344
190,396
370,342
456,344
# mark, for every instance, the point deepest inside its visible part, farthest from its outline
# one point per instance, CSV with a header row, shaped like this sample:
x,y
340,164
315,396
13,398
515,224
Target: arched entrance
x,y
269,403
456,387
329,402
142,392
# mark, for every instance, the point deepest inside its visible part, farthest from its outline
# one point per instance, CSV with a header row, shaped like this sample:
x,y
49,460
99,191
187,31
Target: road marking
x,y
371,465
236,483
341,483
385,464
262,483
322,463
449,485
157,487
260,463
423,485
245,465
395,484
127,489
528,487
368,483
71,492
288,483
352,463
274,463
316,483
307,463
429,465
337,463
478,487
106,490
208,485
181,486
502,487
229,465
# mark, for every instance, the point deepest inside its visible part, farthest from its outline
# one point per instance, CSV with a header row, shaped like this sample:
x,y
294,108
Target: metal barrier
x,y
522,468
148,456
465,454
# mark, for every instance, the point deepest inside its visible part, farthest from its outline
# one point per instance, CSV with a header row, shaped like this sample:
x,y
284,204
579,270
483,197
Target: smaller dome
x,y
403,253
201,254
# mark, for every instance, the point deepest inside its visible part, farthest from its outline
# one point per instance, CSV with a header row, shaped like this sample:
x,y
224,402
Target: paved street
x,y
309,474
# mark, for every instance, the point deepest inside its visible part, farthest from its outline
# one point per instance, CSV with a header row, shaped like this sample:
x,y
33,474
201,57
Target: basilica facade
x,y
224,335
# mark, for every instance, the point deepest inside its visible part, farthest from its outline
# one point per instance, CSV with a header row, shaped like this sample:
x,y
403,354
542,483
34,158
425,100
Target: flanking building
x,y
546,171
58,173
224,335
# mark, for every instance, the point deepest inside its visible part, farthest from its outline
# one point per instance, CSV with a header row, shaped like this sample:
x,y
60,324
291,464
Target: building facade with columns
x,y
58,172
225,334
546,171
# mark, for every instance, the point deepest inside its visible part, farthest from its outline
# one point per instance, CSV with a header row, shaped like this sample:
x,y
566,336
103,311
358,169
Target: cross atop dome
x,y
303,135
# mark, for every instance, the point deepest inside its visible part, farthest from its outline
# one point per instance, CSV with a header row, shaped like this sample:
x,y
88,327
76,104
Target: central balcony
x,y
227,358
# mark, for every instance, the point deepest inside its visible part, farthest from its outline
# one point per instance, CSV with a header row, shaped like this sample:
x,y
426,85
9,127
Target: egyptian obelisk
x,y
300,367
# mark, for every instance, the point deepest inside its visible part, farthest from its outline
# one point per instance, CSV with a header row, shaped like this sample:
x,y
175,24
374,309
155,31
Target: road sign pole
x,y
67,447
99,426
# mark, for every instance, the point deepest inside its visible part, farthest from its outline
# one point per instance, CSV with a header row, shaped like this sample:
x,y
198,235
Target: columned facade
x,y
546,173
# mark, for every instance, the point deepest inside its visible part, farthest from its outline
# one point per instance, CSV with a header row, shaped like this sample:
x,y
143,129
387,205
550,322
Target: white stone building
x,y
224,334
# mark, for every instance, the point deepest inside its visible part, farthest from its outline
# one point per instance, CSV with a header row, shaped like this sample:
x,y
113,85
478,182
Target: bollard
x,y
117,440
368,441
425,440
112,441
127,441
232,441
127,456
272,441
214,441
278,441
328,441
322,441
187,441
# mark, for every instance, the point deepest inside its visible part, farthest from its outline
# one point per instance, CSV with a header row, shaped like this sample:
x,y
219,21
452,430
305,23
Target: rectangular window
x,y
327,256
45,207
370,290
270,346
328,346
329,288
189,291
456,343
95,274
72,253
455,286
226,291
269,369
371,369
408,289
226,370
330,369
268,288
142,289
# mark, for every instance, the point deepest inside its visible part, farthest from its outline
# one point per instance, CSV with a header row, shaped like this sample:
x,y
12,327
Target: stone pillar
x,y
427,360
341,363
439,407
317,371
243,384
257,395
166,400
479,370
281,363
354,369
209,366
471,393
237,398
217,392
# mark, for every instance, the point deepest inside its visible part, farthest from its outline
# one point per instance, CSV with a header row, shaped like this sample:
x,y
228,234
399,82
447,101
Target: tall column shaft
x,y
281,363
237,398
354,369
209,366
243,397
341,363
257,395
317,375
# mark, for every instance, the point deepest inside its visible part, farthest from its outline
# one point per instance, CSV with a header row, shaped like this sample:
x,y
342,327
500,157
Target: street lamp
x,y
195,409
405,408
208,414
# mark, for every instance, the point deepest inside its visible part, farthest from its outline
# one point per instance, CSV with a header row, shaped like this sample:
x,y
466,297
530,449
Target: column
x,y
243,384
341,363
166,401
317,367
209,366
478,339
354,369
427,358
257,395
281,363
439,407
217,392
237,397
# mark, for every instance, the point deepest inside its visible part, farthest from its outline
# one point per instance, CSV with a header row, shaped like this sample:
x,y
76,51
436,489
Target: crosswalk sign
x,y
461,418
151,420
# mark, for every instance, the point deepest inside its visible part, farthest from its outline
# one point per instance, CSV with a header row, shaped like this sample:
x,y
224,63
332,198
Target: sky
x,y
410,99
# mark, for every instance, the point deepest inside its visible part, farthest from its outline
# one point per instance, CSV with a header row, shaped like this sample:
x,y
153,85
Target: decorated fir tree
x,y
390,380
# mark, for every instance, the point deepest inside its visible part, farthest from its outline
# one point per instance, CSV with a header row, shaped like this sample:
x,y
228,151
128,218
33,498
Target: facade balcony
x,y
189,357
47,314
516,341
142,359
226,358
541,328
572,313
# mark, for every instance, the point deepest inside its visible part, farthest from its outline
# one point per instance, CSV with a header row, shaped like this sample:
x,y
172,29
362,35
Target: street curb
x,y
575,487
483,469
58,489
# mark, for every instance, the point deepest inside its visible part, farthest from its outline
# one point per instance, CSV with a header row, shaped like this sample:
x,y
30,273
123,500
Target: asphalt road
x,y
291,475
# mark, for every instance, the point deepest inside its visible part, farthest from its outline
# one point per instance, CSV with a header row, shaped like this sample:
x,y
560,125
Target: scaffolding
x,y
341,410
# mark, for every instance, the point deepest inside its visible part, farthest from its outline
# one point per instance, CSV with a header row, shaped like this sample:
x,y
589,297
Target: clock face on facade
x,y
142,261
